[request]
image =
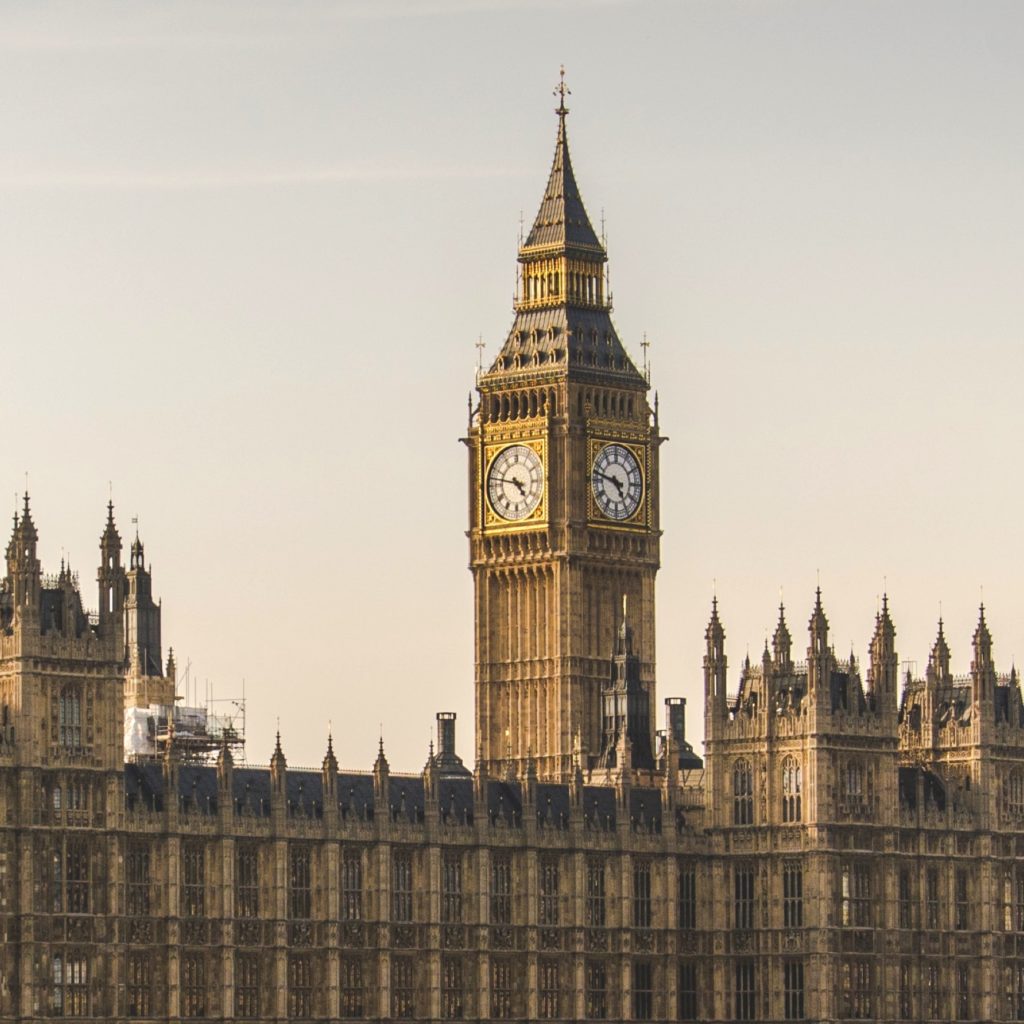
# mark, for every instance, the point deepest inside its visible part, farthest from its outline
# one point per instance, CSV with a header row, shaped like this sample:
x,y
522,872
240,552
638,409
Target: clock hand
x,y
511,480
614,480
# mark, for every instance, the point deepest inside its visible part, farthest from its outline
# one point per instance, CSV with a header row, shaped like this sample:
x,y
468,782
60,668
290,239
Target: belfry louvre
x,y
849,848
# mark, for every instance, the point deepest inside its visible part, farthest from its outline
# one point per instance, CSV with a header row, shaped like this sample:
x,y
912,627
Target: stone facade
x,y
850,850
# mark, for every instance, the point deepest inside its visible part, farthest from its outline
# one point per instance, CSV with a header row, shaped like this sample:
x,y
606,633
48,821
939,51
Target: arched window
x,y
1013,793
69,718
742,793
792,786
853,779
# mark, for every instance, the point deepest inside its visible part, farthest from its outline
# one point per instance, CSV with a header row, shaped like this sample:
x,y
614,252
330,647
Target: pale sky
x,y
247,250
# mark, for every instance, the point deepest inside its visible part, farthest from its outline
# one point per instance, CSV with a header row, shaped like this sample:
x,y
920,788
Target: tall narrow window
x,y
451,988
595,893
857,990
352,885
906,990
401,886
791,790
687,895
1018,990
745,989
686,998
193,985
501,889
906,899
138,988
643,990
962,906
137,888
193,881
931,898
403,988
548,892
596,990
856,895
501,988
1018,900
642,894
300,987
933,991
793,989
547,990
352,992
451,888
247,882
69,717
247,985
792,895
300,882
743,898
76,877
963,992
742,793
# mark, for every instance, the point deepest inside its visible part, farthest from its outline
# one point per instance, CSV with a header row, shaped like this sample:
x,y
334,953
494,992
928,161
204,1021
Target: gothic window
x,y
548,916
792,895
643,990
72,888
595,893
931,898
853,780
138,988
933,991
138,901
401,886
193,985
451,888
906,990
547,990
247,985
857,990
300,987
501,988
742,793
352,885
451,988
247,882
962,906
791,790
743,898
687,896
352,991
745,989
70,993
793,989
642,894
856,895
906,899
686,998
403,988
596,991
300,882
69,718
963,992
1013,793
501,889
193,893
1017,1010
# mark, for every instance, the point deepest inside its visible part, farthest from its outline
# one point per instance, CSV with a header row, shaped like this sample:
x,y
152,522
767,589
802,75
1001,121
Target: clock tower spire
x,y
563,498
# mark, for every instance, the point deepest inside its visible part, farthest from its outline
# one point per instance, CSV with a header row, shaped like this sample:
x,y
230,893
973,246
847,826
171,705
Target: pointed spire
x,y
782,642
381,764
818,625
277,760
938,660
330,761
225,759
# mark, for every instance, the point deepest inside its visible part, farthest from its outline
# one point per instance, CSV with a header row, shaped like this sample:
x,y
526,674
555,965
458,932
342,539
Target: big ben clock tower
x,y
563,500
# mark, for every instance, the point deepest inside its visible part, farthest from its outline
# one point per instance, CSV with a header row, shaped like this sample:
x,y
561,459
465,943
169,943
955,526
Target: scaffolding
x,y
197,733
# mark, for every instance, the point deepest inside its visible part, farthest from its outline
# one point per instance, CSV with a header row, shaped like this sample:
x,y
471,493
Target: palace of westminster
x,y
851,846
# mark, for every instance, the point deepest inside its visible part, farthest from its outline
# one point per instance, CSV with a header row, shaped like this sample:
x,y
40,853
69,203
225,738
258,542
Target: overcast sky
x,y
247,250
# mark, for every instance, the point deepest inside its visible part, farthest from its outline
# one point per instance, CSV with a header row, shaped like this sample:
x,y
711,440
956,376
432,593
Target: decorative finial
x,y
480,345
645,345
561,91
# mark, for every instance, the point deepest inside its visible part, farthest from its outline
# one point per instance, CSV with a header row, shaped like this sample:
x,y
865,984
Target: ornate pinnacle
x,y
561,91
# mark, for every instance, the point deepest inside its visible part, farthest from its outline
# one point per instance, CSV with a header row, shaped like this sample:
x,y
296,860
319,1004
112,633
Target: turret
x,y
278,767
938,660
24,577
782,645
818,657
715,664
983,673
111,579
142,617
381,777
883,673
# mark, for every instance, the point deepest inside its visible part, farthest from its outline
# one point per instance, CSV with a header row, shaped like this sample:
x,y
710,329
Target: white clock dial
x,y
515,482
617,482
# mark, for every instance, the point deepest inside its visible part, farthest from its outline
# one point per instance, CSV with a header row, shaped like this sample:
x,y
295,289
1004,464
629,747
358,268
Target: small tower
x,y
882,676
142,617
819,662
111,580
782,645
381,781
24,577
983,673
715,665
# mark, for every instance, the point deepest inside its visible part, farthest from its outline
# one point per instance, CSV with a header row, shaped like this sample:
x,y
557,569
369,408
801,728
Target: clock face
x,y
617,482
515,482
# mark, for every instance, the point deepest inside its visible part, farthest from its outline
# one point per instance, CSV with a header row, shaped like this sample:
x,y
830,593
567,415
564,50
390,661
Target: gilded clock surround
x,y
638,519
492,518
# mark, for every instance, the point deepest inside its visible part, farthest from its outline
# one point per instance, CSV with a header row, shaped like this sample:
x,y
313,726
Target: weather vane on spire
x,y
561,91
